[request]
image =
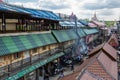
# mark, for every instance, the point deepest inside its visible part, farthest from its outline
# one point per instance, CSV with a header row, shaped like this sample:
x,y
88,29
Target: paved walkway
x,y
66,72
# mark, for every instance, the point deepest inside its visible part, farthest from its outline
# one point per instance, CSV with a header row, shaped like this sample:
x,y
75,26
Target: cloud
x,y
27,4
106,12
53,5
103,4
20,1
106,9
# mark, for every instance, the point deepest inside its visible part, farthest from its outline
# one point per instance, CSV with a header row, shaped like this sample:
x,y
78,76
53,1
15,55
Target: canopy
x,y
13,44
65,35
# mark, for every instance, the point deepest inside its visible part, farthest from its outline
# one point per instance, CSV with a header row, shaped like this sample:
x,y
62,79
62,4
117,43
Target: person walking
x,y
61,75
72,66
46,76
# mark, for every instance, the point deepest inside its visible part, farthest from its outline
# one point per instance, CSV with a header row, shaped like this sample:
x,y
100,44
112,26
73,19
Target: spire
x,y
95,14
72,17
94,18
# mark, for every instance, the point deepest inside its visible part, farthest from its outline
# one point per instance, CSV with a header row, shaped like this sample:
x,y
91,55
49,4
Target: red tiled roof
x,y
74,75
109,65
113,41
92,24
108,50
96,49
99,66
98,70
88,76
98,23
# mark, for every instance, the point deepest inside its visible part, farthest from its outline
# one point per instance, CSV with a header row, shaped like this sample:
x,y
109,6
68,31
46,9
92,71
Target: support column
x,y
22,25
39,25
25,77
3,23
26,25
37,74
43,71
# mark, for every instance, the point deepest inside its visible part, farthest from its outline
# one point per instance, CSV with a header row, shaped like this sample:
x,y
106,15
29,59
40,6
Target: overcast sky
x,y
105,9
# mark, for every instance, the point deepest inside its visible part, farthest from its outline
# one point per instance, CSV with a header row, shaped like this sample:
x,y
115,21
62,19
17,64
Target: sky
x,y
83,9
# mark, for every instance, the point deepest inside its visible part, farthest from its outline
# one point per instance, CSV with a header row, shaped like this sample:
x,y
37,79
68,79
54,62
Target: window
x,y
27,54
34,50
16,55
44,48
1,59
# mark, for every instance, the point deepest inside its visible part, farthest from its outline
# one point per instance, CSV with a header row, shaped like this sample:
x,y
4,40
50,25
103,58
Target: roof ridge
x,y
112,57
97,49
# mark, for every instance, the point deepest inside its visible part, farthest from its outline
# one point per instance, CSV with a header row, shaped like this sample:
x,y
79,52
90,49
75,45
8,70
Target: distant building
x,y
64,16
95,22
113,41
94,18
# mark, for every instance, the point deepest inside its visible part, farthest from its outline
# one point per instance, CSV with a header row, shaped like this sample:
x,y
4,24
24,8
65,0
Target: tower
x,y
94,18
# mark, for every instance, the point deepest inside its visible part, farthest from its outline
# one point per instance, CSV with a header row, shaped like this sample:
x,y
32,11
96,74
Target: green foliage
x,y
109,23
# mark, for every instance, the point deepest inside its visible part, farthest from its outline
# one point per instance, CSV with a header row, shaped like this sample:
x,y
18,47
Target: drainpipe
x,y
76,24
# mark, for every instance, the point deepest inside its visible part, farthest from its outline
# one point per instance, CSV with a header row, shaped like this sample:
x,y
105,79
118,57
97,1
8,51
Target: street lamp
x,y
75,18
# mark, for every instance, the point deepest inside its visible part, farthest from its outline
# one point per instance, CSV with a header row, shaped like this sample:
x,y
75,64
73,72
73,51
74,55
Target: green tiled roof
x,y
90,31
12,44
81,33
33,67
25,41
65,35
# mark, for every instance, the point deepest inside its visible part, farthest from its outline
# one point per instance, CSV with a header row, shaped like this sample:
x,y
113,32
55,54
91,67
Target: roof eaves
x,y
98,48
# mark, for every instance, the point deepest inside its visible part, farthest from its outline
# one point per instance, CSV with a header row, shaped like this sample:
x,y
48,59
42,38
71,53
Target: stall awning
x,y
12,44
90,31
84,22
33,67
65,35
7,8
70,24
52,15
81,33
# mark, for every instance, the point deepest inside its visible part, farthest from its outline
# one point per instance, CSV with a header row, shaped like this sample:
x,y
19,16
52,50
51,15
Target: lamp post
x,y
104,34
75,18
